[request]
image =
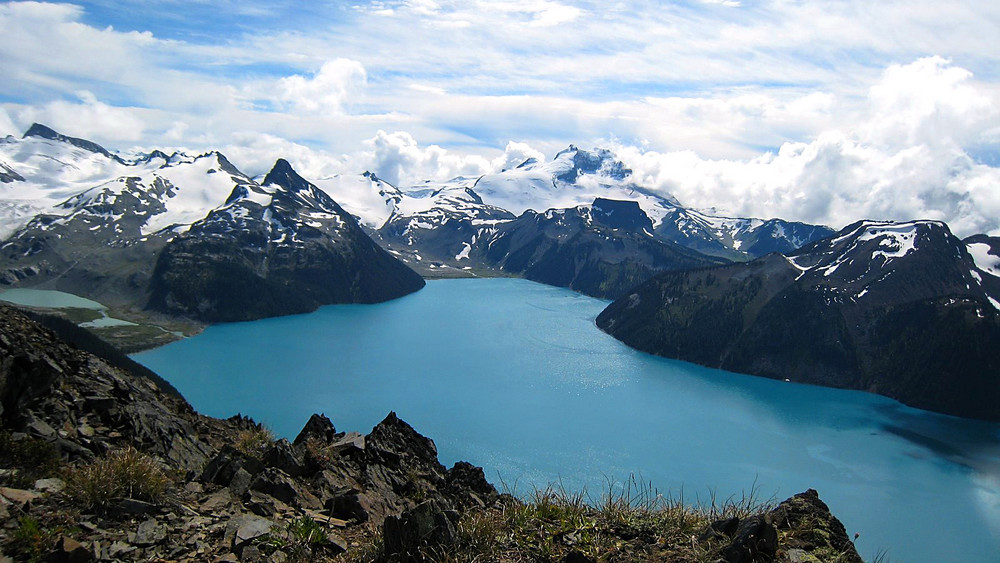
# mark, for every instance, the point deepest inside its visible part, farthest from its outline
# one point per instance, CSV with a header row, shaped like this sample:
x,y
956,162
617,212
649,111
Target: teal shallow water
x,y
514,376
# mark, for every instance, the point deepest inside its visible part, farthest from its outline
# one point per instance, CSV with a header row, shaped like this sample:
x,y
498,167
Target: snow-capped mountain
x,y
903,309
277,248
735,238
89,222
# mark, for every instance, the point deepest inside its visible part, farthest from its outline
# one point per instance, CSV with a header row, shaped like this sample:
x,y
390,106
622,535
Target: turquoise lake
x,y
514,376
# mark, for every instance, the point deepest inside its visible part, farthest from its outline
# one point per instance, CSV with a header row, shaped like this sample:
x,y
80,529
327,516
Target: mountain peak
x,y
282,174
45,132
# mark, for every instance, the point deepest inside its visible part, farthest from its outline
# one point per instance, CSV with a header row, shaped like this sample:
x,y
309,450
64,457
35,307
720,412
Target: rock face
x,y
280,248
602,249
866,309
55,392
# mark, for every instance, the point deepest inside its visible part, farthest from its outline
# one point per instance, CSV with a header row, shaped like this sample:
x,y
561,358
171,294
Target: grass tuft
x,y
124,473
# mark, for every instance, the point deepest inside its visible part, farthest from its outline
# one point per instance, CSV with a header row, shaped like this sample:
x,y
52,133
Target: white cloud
x,y
397,158
514,155
328,91
88,118
902,160
7,126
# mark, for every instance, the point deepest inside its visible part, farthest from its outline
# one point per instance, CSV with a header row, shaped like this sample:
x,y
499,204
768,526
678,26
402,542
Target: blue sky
x,y
819,111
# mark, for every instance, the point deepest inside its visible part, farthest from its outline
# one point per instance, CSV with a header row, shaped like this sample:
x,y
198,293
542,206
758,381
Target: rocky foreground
x,y
99,464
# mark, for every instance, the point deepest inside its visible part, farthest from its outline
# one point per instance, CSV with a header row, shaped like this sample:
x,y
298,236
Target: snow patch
x,y
986,262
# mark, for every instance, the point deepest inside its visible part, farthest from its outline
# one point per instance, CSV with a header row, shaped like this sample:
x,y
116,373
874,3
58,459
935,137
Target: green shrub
x,y
30,542
31,458
124,473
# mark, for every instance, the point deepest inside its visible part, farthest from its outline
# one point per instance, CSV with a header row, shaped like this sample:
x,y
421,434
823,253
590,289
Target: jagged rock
x,y
130,506
807,525
426,525
226,464
282,456
19,497
318,427
44,383
240,483
468,481
755,540
352,443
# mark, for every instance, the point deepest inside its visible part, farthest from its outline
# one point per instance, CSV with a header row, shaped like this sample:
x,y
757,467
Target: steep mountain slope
x,y
902,309
602,249
278,248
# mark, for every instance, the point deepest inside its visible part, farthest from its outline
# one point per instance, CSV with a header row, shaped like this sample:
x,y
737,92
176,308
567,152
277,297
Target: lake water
x,y
514,376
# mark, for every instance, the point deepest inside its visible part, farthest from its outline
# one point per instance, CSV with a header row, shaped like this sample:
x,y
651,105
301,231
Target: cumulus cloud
x,y
514,155
333,86
87,117
398,158
902,160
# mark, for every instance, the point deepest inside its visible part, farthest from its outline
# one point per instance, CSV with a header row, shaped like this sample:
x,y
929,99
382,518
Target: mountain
x,y
602,249
120,231
905,310
278,248
734,238
103,241
434,226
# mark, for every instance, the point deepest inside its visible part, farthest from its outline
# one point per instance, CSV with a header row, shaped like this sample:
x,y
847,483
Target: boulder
x,y
424,526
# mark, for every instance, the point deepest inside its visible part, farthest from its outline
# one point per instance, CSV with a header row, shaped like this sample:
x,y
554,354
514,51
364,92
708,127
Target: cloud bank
x,y
818,112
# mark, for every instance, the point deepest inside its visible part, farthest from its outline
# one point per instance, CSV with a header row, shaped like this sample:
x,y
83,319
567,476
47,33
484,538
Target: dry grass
x,y
124,473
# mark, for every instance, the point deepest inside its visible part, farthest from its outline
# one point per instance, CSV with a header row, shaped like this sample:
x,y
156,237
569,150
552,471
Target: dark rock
x,y
277,484
240,483
130,506
317,427
807,524
351,444
149,533
282,456
224,466
241,530
575,556
721,529
348,505
426,525
468,481
755,541
68,550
